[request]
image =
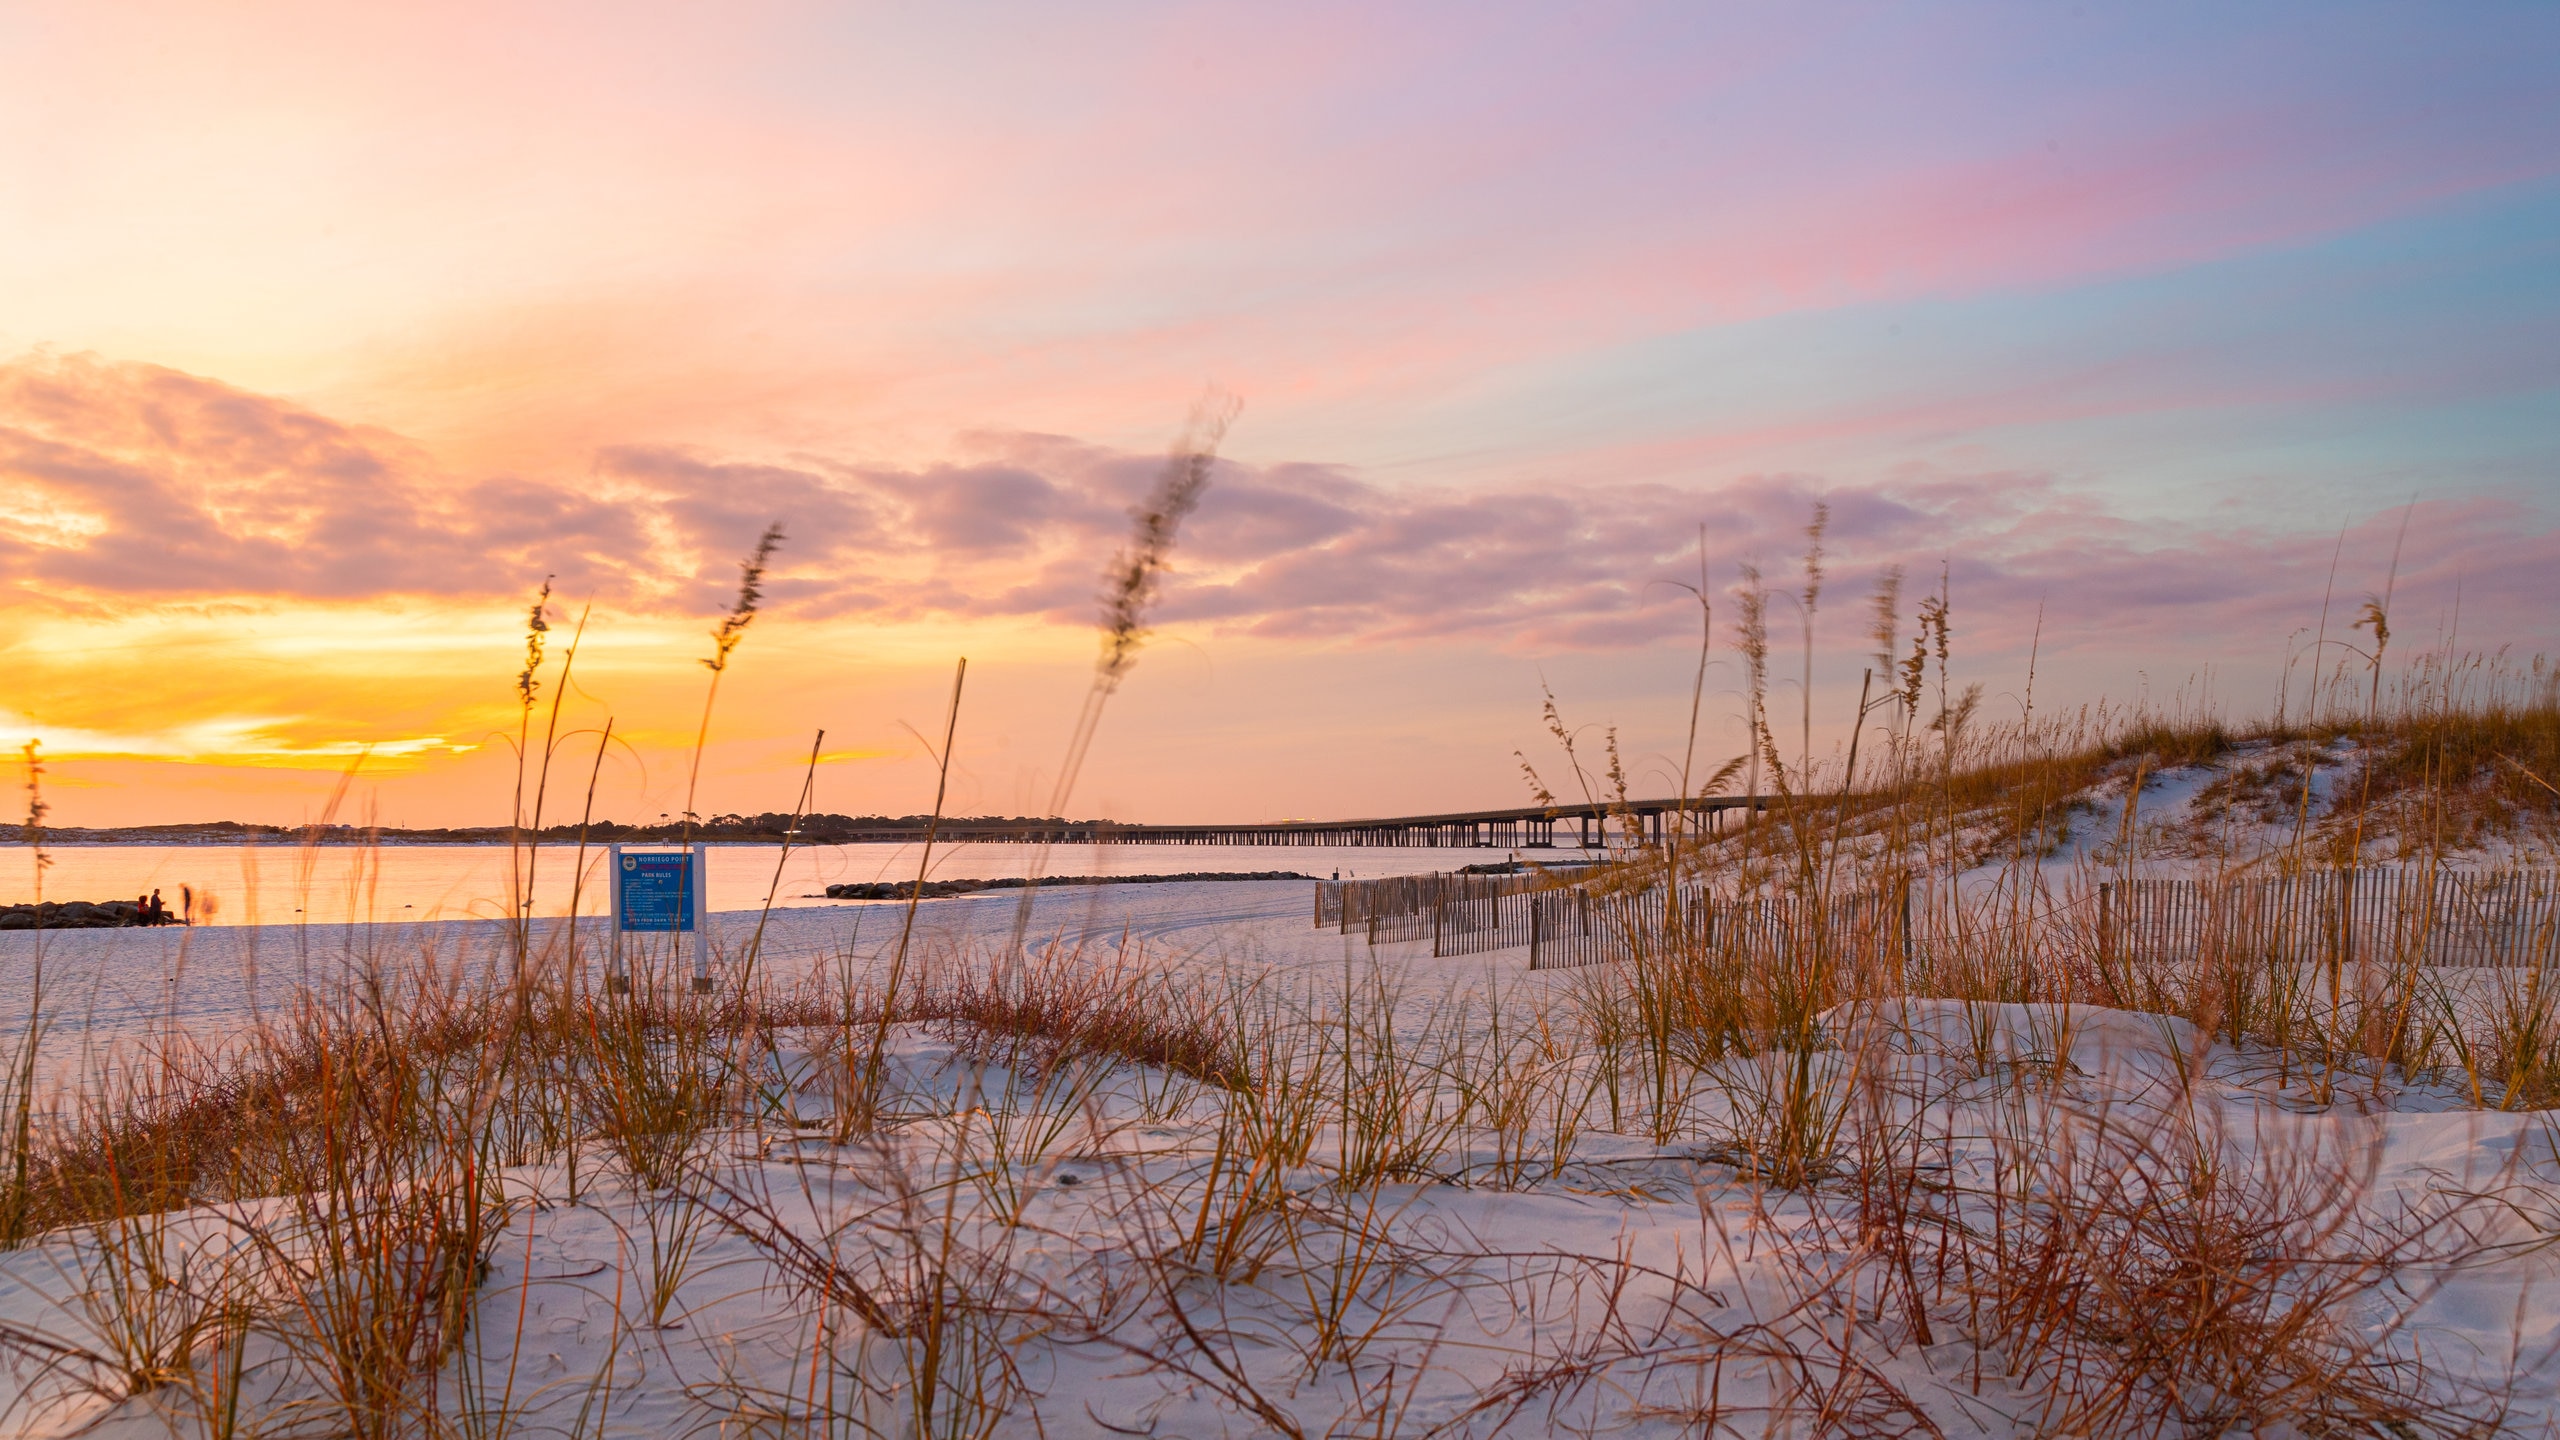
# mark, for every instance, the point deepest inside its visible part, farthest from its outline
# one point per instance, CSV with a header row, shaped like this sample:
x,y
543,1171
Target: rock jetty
x,y
937,889
79,915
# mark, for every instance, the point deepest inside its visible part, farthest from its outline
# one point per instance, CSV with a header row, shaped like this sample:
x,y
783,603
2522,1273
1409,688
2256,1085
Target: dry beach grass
x,y
1099,1193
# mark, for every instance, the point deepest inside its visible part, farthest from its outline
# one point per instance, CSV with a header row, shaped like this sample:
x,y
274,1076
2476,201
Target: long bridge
x,y
1536,827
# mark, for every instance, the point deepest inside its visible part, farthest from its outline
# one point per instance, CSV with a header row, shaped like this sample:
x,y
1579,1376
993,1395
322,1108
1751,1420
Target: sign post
x,y
663,891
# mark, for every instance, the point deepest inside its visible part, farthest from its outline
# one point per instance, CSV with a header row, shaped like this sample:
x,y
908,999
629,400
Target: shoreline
x,y
806,912
121,985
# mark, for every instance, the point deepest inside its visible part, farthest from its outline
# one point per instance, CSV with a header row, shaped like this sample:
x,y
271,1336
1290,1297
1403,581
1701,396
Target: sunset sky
x,y
332,330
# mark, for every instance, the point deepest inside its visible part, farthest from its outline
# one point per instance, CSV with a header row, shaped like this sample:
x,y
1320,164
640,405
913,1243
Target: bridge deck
x,y
1531,827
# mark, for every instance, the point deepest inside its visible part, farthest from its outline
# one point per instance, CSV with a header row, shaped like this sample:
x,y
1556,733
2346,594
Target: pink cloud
x,y
176,486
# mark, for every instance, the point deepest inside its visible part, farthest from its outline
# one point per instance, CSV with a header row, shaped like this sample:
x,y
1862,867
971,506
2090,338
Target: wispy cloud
x,y
255,743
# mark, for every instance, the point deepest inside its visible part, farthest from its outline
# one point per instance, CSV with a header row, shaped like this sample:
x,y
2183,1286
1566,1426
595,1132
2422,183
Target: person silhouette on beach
x,y
187,903
157,912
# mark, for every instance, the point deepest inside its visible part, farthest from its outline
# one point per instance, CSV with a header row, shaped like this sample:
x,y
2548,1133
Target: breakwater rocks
x,y
937,889
1528,867
80,915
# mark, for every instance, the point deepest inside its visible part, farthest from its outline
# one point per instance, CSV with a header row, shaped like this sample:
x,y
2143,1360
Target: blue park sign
x,y
655,892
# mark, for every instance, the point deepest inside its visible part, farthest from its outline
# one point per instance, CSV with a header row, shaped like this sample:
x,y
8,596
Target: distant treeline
x,y
768,828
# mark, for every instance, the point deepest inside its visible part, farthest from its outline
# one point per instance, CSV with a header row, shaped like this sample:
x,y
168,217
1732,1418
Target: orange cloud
x,y
238,584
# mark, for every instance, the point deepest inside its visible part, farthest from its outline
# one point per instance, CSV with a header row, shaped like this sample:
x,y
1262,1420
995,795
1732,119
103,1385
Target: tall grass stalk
x,y
1130,587
20,1100
724,641
524,824
859,1110
1812,599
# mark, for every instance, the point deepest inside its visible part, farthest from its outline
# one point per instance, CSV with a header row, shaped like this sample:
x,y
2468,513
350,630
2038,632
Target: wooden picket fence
x,y
1403,904
1577,927
2457,918
2430,917
1568,925
1570,928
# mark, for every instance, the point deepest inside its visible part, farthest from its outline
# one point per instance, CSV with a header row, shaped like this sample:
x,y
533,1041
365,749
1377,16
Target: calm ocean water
x,y
271,884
